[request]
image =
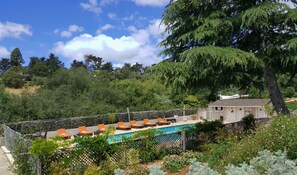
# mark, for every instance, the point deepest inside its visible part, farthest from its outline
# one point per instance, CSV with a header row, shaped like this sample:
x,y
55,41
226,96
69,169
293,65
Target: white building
x,y
233,110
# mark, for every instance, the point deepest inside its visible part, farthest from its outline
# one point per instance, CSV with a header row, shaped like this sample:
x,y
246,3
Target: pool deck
x,y
179,121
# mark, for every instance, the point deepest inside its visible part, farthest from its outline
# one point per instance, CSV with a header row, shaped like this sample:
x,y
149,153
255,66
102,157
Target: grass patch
x,y
292,106
23,90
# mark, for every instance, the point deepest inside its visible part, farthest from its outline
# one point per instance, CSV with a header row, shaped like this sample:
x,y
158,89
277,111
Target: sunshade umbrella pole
x,y
128,114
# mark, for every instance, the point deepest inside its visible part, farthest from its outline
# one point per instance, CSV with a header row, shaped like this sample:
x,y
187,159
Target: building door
x,y
231,115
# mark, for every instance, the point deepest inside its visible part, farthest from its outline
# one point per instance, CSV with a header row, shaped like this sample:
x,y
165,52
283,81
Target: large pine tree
x,y
215,43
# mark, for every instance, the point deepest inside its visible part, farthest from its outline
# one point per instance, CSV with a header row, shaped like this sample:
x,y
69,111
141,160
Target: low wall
x,y
240,124
29,127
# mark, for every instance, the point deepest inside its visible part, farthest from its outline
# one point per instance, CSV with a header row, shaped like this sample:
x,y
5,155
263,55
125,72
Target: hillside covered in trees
x,y
95,87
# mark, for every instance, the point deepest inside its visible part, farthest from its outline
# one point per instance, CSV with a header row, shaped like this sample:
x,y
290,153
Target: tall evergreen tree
x,y
38,67
77,64
53,63
93,62
222,42
107,67
16,58
4,65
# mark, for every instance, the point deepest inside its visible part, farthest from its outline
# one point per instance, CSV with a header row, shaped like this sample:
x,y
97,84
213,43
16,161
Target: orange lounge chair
x,y
101,128
83,131
122,126
163,122
62,133
136,125
147,122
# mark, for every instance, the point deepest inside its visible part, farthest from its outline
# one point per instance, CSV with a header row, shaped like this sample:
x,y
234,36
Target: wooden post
x,y
183,140
128,114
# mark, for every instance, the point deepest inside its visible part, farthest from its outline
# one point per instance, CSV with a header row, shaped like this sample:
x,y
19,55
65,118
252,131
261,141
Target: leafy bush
x,y
145,142
13,78
248,122
174,163
199,168
98,146
156,170
206,131
106,167
138,170
125,157
91,170
43,149
280,134
215,153
22,164
289,92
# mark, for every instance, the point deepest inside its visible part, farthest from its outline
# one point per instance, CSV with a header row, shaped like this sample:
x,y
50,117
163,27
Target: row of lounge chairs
x,y
121,126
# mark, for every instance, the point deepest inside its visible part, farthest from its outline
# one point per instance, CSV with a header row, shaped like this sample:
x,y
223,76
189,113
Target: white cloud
x,y
156,28
91,6
158,3
75,28
128,18
126,49
104,28
139,46
112,16
141,36
66,34
132,29
14,30
4,52
56,30
69,32
94,6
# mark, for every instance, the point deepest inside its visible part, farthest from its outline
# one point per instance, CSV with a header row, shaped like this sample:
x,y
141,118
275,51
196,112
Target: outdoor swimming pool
x,y
165,130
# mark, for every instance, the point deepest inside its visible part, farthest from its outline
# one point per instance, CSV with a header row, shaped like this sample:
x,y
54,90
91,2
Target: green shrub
x,y
138,170
289,92
93,169
106,167
22,160
206,131
125,158
199,168
43,149
174,163
280,134
248,122
98,146
39,80
145,142
13,78
214,153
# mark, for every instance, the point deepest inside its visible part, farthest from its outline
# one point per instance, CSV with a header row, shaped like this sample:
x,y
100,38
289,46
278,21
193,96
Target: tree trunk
x,y
274,92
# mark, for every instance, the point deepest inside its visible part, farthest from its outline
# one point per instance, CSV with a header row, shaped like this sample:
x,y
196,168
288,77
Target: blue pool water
x,y
165,130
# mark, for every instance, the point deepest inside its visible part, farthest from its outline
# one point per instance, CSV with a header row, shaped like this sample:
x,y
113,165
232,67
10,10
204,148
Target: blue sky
x,y
120,31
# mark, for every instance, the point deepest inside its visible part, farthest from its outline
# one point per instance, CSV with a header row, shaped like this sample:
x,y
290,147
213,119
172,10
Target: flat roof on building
x,y
240,102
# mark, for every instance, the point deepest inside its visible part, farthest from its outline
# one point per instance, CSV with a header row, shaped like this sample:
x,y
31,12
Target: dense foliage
x,y
215,44
87,88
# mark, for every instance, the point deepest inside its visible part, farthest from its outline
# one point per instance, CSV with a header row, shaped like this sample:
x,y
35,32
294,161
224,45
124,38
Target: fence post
x,y
183,140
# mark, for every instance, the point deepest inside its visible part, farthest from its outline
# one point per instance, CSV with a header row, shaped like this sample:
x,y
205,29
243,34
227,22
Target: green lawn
x,y
292,106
